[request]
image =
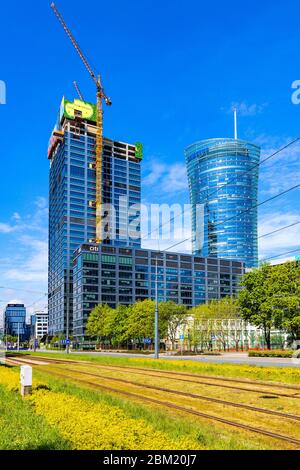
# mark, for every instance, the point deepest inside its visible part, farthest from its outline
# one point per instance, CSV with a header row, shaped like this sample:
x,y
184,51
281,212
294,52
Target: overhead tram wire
x,y
219,223
23,290
281,254
256,165
37,301
243,212
279,229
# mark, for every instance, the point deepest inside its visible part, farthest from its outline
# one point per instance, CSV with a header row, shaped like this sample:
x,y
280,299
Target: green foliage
x,y
10,338
175,315
271,353
226,308
271,298
135,322
99,321
117,325
209,321
141,320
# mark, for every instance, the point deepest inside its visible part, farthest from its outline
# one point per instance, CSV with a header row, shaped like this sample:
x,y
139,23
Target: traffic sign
x,y
181,337
147,340
65,342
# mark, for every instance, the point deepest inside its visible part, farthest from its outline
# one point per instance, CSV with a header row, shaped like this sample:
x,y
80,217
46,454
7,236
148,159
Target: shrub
x,y
271,353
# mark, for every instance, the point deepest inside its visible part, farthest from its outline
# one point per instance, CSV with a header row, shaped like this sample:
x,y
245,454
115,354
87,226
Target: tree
x,y
213,320
11,339
255,300
98,321
271,298
141,321
286,283
117,325
202,326
175,315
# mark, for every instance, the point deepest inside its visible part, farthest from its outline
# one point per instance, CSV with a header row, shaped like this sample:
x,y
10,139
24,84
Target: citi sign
x,y
2,92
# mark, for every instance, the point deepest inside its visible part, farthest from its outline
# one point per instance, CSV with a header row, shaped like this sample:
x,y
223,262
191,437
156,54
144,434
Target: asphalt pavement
x,y
225,358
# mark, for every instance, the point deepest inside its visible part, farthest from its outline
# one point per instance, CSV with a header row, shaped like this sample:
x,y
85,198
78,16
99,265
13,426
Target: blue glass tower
x,y
72,194
223,184
15,320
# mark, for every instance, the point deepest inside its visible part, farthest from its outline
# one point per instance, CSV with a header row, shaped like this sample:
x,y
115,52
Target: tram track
x,y
165,403
192,378
173,406
191,395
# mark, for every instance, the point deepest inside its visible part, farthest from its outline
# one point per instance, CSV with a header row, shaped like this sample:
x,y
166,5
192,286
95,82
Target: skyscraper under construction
x,y
72,195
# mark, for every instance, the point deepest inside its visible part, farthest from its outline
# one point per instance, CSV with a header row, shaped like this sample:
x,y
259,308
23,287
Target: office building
x,y
39,325
15,321
223,184
118,275
72,194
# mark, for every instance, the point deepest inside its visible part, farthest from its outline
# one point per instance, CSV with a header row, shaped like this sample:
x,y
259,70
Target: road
x,y
226,358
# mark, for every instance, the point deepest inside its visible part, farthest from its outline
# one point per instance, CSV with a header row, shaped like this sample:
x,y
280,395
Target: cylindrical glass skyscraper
x,y
223,183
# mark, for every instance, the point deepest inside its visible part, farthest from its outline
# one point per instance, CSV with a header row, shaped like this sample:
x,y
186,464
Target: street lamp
x,y
5,329
156,355
18,347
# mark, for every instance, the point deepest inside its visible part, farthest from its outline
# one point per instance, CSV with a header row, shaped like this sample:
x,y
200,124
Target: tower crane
x,y
101,96
78,90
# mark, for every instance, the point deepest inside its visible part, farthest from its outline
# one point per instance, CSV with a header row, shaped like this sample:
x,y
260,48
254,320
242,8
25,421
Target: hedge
x,y
271,353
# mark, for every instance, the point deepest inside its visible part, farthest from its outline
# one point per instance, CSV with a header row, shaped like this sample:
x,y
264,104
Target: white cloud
x,y
170,178
282,241
245,109
156,172
282,171
16,216
6,228
41,202
24,264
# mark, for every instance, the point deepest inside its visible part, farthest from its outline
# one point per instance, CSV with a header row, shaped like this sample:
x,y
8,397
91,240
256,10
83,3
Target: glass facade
x,y
113,276
15,321
223,224
72,193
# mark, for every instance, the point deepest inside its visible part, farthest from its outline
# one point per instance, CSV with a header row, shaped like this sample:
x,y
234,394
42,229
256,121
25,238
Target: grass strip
x,y
251,372
22,428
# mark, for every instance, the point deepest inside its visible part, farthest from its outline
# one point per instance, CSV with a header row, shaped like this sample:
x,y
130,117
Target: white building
x,y
39,324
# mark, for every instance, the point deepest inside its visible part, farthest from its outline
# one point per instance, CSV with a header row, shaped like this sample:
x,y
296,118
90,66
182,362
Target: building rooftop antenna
x,y
235,123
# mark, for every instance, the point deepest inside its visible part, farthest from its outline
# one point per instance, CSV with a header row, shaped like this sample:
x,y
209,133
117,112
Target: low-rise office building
x,y
115,275
39,325
15,321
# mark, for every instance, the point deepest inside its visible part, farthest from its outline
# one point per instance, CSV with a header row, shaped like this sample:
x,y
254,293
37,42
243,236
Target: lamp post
x,y
34,337
18,348
156,355
5,327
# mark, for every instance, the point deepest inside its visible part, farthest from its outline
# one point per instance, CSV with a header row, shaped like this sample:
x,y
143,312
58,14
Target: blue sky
x,y
173,70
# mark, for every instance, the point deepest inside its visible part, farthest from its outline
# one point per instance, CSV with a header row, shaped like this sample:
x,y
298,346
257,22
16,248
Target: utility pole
x,y
34,338
6,327
156,355
18,336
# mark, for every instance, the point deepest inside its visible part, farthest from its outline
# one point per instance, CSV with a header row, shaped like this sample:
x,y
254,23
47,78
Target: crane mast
x,y
78,90
99,124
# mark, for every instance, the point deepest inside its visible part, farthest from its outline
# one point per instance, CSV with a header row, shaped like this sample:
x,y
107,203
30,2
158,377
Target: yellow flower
x,y
95,426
